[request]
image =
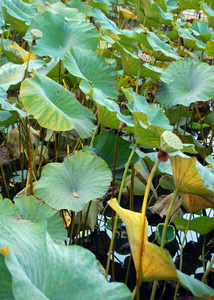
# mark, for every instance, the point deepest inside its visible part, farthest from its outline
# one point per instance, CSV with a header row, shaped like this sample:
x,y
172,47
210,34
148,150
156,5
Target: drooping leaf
x,y
161,206
190,176
55,107
73,183
36,211
198,202
156,263
148,136
92,67
201,225
191,83
59,35
23,52
41,268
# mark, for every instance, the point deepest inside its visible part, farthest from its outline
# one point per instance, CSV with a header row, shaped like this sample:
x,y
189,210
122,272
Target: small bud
x,y
36,34
170,142
162,156
122,125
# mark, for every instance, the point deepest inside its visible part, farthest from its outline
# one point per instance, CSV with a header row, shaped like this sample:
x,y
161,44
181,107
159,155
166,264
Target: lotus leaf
x,y
191,83
71,184
43,269
55,107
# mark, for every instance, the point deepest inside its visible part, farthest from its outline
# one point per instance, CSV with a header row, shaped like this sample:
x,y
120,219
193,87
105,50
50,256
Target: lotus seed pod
x,y
36,34
170,142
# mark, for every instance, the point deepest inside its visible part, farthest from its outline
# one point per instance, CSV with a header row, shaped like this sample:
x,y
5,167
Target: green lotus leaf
x,y
165,52
201,225
8,208
55,107
5,105
92,67
7,118
190,176
70,14
147,114
171,5
209,49
131,65
41,268
104,144
105,22
36,211
11,74
104,5
155,13
81,6
109,114
202,31
59,35
198,288
71,184
148,136
12,55
170,233
190,41
209,12
2,22
189,4
210,160
191,83
18,14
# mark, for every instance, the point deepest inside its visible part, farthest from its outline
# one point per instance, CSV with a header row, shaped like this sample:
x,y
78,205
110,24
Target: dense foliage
x,y
106,119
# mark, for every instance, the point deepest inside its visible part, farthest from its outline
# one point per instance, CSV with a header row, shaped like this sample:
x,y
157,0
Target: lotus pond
x,y
106,149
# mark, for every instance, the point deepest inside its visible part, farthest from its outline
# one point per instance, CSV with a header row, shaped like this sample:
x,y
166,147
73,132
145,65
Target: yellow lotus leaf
x,y
198,202
127,14
186,176
156,263
4,251
134,225
23,53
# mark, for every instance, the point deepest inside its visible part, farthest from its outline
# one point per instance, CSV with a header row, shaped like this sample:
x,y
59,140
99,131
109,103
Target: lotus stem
x,y
208,270
2,38
163,238
72,228
28,60
143,211
116,216
138,78
181,254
